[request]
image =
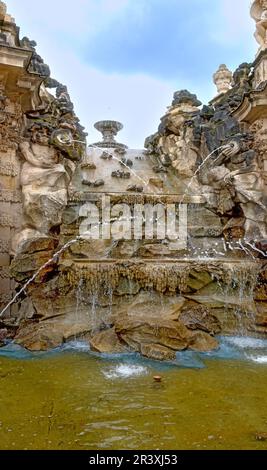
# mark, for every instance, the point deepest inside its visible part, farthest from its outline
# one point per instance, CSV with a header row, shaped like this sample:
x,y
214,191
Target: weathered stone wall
x,y
35,165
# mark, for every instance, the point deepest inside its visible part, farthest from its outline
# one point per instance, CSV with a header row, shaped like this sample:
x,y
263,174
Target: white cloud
x,y
77,19
137,100
233,23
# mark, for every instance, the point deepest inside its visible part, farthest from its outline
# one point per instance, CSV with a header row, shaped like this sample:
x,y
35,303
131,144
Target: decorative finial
x,y
109,130
223,79
259,14
3,10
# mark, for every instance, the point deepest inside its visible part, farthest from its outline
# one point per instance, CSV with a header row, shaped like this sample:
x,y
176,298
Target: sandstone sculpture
x,y
175,142
154,296
44,184
259,14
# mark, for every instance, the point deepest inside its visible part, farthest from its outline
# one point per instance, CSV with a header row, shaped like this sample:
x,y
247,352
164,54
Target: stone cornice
x,y
253,106
18,82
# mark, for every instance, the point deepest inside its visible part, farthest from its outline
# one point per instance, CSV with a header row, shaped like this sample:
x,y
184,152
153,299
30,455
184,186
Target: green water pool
x,y
76,400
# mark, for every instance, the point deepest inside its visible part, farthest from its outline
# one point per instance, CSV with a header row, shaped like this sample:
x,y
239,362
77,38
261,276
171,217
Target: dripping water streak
x,y
45,265
199,169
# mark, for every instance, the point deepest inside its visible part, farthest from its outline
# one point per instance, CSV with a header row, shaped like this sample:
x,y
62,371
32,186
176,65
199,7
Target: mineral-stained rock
x,y
135,332
39,244
3,336
198,280
261,317
261,290
200,318
215,296
228,319
127,287
157,182
70,215
153,305
202,222
25,265
145,335
153,250
89,249
48,335
203,342
125,249
36,337
26,309
107,342
157,352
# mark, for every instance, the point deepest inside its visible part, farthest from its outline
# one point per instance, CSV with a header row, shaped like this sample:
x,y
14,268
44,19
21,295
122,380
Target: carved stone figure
x,y
259,14
237,179
180,150
53,143
208,166
44,181
175,143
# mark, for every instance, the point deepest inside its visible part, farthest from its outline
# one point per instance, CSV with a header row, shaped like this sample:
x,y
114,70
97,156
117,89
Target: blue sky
x,y
123,59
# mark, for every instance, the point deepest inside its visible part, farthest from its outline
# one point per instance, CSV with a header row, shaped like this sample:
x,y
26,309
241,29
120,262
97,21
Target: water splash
x,y
264,254
242,283
258,359
246,342
124,371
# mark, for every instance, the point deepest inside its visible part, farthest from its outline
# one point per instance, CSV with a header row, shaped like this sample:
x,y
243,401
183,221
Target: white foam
x,y
124,371
247,343
77,345
259,359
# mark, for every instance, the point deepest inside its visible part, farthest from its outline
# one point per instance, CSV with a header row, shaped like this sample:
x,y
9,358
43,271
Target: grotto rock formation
x,y
154,295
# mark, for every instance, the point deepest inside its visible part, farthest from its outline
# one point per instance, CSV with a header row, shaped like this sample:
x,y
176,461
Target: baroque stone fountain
x,y
151,294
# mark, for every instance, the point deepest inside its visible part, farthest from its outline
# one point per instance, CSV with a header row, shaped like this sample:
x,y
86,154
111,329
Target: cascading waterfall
x,y
241,283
